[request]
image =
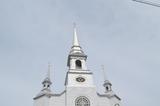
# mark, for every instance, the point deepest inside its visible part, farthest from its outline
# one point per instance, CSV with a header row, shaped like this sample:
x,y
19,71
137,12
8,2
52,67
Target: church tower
x,y
79,80
80,89
78,75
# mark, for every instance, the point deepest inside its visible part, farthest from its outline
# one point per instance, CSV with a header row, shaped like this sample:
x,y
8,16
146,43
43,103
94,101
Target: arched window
x,y
82,101
78,64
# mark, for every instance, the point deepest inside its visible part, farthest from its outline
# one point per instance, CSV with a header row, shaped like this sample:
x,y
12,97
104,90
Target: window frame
x,y
82,101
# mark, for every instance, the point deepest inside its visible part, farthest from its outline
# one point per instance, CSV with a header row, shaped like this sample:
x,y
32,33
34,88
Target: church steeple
x,y
78,73
76,58
47,82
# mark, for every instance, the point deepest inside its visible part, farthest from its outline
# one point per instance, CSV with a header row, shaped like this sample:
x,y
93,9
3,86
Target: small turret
x,y
46,89
47,82
107,84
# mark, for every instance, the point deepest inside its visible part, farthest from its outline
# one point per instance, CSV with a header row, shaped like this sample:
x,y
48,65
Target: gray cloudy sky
x,y
121,34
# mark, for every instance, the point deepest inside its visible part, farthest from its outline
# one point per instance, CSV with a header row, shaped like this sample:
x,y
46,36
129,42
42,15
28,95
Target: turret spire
x,y
49,70
104,73
46,90
47,82
75,38
107,83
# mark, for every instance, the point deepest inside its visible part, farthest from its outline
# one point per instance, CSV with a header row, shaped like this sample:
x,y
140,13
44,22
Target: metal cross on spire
x,y
148,2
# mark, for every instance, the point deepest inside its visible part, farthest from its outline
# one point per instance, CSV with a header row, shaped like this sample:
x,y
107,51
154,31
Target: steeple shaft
x,y
75,38
76,48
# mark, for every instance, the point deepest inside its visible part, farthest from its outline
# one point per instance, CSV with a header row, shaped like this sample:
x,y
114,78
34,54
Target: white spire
x,y
75,38
47,81
49,70
107,83
76,48
104,73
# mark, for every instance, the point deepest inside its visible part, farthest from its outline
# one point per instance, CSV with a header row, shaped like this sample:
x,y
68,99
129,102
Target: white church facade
x,y
80,89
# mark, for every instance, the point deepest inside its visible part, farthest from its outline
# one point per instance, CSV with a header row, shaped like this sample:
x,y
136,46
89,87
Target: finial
x,y
75,38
